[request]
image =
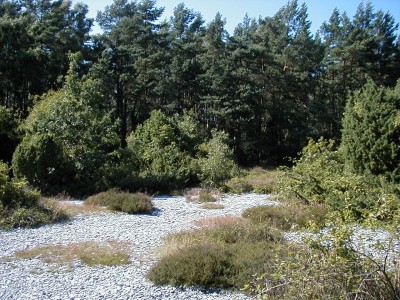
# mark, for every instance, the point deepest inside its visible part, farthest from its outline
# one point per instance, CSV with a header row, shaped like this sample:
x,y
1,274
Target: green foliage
x,y
85,137
121,201
161,147
217,165
371,131
319,177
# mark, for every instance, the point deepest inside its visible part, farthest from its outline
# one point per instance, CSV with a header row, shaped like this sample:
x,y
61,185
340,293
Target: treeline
x,y
269,87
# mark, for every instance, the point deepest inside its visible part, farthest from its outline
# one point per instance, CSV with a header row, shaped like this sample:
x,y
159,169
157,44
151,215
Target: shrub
x,y
23,207
225,254
163,151
331,267
121,201
371,132
319,177
242,232
15,193
217,165
200,265
69,123
41,160
239,185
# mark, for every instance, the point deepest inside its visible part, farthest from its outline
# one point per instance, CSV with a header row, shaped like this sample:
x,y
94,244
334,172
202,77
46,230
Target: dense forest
x,y
153,105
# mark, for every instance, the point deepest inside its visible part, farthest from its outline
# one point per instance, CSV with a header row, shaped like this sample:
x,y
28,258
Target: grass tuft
x,y
111,253
212,206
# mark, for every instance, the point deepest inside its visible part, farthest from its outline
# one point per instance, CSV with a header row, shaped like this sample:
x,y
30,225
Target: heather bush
x,y
288,216
200,265
208,205
222,256
122,201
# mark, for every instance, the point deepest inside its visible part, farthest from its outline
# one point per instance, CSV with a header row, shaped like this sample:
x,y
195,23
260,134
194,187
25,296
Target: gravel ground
x,y
33,279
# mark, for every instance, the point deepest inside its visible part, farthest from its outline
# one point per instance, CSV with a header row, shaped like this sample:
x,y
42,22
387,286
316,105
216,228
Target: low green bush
x,y
121,201
201,265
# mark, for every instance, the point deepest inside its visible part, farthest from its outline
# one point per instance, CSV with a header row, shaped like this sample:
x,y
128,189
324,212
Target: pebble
x,y
33,279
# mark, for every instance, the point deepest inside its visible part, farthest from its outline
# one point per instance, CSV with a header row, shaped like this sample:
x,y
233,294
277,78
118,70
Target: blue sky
x,y
234,10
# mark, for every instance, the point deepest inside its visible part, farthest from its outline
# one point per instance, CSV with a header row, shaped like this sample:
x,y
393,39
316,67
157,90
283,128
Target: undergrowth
x,y
256,180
